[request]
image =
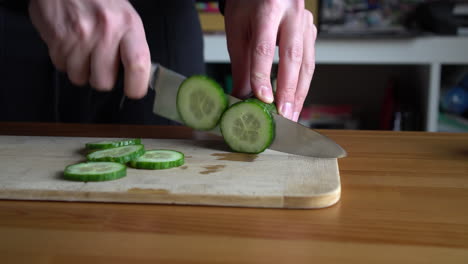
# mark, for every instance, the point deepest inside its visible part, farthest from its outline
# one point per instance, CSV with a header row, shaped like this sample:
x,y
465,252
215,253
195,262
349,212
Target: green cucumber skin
x,y
148,165
123,159
113,144
270,107
271,135
156,165
94,177
219,89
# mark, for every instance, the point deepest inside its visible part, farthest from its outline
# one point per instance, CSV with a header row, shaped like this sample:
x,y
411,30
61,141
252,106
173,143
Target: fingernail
x,y
265,93
286,110
296,116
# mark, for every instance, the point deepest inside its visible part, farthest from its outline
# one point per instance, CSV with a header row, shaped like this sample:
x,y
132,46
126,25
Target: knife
x,y
290,137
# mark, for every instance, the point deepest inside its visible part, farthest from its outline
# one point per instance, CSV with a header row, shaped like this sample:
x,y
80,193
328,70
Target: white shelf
x,y
432,51
421,50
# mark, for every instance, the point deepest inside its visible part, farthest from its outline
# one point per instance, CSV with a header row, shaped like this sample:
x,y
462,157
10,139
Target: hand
x,y
88,38
253,27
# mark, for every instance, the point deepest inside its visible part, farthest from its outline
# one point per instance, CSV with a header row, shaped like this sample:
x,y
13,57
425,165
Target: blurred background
x,y
380,64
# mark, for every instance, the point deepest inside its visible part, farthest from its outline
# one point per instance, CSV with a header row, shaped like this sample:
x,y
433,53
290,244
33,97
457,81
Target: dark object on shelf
x,y
400,110
440,17
365,18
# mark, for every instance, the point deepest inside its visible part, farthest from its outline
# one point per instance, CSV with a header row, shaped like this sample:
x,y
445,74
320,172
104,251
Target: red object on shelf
x,y
309,112
388,107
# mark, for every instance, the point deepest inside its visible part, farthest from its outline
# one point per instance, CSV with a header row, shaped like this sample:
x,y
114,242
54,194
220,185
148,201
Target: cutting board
x,y
31,168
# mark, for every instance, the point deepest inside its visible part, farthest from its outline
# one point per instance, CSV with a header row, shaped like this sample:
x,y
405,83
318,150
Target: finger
x,y
78,64
308,64
240,62
135,55
105,62
58,58
290,51
262,51
60,51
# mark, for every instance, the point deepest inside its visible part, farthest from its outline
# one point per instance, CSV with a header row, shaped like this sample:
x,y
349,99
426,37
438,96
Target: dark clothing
x,y
32,90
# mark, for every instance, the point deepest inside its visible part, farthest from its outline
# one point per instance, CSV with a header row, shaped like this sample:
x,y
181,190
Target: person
x,y
89,42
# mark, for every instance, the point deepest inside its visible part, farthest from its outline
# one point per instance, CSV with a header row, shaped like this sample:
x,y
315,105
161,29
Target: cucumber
x,y
158,159
120,154
106,144
95,171
201,102
248,127
270,107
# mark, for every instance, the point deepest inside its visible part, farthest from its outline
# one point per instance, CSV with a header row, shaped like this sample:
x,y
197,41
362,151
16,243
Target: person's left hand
x,y
253,28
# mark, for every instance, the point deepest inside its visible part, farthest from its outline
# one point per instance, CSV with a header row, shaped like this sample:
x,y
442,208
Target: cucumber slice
x,y
248,127
158,159
120,154
95,171
106,144
201,102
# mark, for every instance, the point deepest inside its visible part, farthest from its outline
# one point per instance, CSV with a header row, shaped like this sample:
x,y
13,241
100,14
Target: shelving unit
x,y
431,52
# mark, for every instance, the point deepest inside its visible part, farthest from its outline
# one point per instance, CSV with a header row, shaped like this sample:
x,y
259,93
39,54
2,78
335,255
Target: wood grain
x,y
404,200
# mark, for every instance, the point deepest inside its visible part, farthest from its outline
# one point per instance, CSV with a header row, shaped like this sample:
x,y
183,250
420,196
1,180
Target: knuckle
x,y
260,77
289,89
294,52
81,29
300,98
309,68
130,18
139,63
264,49
106,20
55,36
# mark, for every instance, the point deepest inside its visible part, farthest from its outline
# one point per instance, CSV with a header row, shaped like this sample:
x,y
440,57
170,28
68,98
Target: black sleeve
x,y
19,6
221,4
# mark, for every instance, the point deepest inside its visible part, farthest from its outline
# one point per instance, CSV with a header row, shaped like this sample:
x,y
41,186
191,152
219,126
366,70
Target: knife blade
x,y
291,137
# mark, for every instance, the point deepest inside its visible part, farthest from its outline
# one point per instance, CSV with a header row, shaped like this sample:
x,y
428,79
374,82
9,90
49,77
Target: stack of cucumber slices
x,y
108,160
247,126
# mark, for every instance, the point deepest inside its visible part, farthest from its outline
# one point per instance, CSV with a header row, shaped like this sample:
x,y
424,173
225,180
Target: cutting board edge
x,y
313,202
286,202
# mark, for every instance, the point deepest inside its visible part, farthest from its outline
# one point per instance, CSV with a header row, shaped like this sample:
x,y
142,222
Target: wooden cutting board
x,y
31,169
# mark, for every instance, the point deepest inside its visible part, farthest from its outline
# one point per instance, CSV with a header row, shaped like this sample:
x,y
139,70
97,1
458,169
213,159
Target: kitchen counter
x,y
404,199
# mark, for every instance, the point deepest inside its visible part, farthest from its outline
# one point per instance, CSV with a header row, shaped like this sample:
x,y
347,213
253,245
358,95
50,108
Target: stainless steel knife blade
x,y
291,137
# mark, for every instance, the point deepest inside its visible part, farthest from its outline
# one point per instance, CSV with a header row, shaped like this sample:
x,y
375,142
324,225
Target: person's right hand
x,y
88,38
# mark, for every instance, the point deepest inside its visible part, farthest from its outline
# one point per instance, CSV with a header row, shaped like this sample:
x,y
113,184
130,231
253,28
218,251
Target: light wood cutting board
x,y
31,169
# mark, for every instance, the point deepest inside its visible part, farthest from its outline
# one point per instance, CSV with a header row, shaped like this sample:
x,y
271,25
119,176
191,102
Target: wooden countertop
x,y
404,200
